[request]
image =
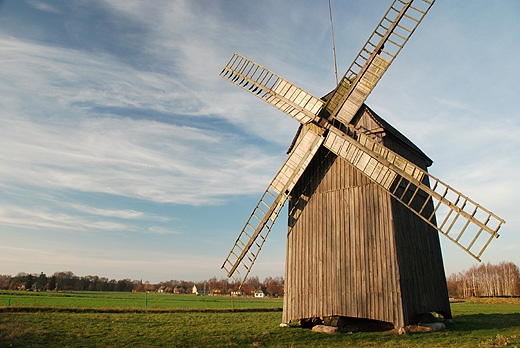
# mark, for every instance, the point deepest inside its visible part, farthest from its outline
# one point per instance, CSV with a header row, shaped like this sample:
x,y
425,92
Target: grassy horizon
x,y
131,300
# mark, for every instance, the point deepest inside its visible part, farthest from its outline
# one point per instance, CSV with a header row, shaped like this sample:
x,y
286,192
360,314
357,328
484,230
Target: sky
x,y
123,154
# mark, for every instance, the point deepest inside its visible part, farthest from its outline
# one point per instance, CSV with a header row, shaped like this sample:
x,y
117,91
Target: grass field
x,y
130,300
121,319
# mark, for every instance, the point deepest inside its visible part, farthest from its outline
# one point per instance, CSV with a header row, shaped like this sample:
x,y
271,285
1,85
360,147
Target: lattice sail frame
x,y
256,229
275,90
463,220
380,50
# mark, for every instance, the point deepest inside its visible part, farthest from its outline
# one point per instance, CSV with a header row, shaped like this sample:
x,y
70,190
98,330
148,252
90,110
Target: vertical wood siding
x,y
423,281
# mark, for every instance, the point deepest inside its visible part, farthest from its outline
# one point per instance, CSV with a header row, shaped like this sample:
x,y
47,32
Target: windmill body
x,y
364,213
353,250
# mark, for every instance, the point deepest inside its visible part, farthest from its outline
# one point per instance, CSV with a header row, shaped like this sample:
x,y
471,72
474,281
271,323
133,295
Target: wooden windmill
x,y
363,211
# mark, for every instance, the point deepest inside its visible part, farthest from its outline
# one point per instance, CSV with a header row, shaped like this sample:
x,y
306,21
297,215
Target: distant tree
x,y
453,282
234,286
125,285
65,280
511,276
4,281
274,286
41,282
223,285
82,283
18,281
92,283
103,284
253,282
486,280
212,284
52,283
29,282
251,285
188,285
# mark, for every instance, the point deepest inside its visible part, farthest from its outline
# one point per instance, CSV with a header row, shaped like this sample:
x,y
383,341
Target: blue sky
x,y
124,154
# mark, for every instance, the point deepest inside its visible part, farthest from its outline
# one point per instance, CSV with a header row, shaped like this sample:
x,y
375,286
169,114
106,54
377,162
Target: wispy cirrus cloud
x,y
121,214
131,158
40,218
101,134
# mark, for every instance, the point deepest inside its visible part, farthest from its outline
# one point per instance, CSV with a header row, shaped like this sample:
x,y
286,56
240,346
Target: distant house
x,y
260,293
216,292
237,293
179,290
194,290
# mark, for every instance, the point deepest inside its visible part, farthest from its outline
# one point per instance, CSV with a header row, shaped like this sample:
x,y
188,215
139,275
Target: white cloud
x,y
57,79
132,158
122,214
72,141
49,218
162,230
43,6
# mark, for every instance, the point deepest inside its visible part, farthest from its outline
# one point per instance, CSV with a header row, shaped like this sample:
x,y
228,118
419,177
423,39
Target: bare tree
x,y
486,280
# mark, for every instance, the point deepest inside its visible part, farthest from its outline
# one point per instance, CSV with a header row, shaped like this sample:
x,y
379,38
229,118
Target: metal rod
x,y
333,45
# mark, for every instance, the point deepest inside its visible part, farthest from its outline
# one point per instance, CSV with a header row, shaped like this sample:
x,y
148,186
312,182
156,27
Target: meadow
x,y
119,301
90,319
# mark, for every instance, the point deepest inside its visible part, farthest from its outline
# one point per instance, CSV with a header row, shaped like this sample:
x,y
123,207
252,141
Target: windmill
x,y
364,213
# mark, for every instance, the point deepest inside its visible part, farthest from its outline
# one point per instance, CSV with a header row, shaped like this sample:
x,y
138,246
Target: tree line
x,y
486,280
68,281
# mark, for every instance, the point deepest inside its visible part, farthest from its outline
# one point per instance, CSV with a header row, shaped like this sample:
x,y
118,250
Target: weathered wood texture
x,y
352,250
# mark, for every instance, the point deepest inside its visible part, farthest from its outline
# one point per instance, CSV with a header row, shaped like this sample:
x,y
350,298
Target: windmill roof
x,y
394,132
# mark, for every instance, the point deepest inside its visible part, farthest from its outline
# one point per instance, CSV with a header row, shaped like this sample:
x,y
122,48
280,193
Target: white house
x,y
260,293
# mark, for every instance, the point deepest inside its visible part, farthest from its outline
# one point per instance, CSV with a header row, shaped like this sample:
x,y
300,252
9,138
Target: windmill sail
x,y
385,43
463,221
252,237
270,87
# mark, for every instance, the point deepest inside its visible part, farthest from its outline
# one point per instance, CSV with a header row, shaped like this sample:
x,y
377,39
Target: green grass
x,y
129,300
489,323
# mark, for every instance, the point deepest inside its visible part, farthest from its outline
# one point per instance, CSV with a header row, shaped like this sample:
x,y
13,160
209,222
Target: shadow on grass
x,y
31,339
16,335
471,322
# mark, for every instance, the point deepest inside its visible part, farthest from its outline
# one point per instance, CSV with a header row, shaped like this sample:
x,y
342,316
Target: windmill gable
x,y
368,120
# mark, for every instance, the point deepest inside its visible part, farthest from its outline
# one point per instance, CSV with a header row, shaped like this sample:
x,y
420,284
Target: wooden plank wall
x,y
341,256
344,256
419,254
